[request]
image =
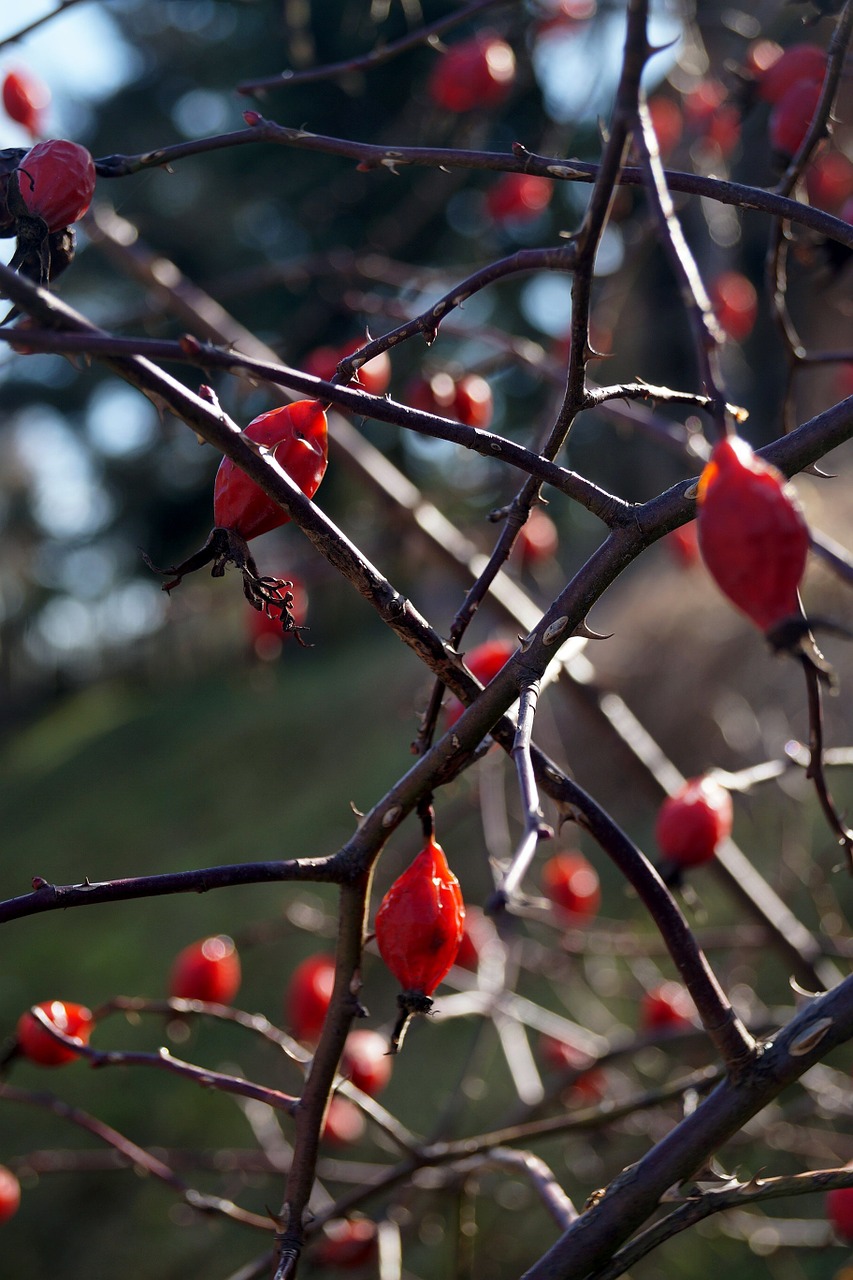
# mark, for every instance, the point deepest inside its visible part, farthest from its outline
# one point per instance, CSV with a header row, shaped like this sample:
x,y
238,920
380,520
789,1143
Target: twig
x,y
62,7
815,767
535,828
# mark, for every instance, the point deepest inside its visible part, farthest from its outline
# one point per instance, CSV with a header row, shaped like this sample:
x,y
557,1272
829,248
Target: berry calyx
x,y
37,1044
753,536
207,970
308,995
572,884
10,1194
419,927
692,822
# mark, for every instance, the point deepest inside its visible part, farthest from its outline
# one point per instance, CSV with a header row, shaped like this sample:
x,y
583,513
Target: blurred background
x,y
143,733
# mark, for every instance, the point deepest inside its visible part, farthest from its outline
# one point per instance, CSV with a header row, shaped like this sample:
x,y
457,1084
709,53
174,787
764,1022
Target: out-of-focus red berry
x,y
735,304
829,181
708,114
10,1194
477,73
538,539
799,62
559,1055
344,1122
666,1008
37,1044
308,996
683,542
467,399
366,1061
518,197
792,115
667,121
207,970
839,1211
692,822
484,662
571,882
372,377
347,1242
25,99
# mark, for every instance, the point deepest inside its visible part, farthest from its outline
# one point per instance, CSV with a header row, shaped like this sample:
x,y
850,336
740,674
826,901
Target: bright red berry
x,y
666,1008
710,115
792,115
735,304
752,534
308,995
839,1211
799,62
10,1194
372,377
484,662
37,1044
474,74
518,197
347,1242
25,99
420,922
572,884
207,970
56,180
296,436
691,823
366,1061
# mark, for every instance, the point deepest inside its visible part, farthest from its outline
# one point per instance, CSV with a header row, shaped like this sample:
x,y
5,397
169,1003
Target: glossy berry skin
x,y
484,662
752,534
347,1242
37,1044
308,995
792,115
666,1008
839,1211
24,99
57,181
572,884
207,970
366,1061
475,74
10,1194
372,377
518,197
296,435
692,822
420,922
799,62
735,304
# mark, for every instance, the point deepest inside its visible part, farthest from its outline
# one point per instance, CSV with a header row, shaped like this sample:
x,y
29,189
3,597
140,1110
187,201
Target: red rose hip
x,y
35,1041
207,970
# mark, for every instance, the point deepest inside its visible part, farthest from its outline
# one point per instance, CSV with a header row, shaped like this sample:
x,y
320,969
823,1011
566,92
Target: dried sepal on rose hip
x,y
419,926
753,537
296,436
